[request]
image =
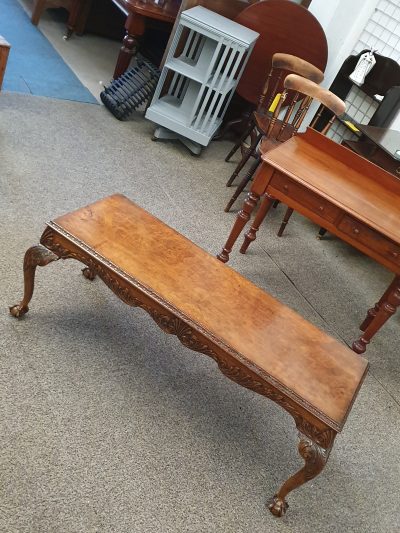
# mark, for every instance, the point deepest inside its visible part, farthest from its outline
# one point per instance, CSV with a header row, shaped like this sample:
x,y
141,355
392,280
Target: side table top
x,y
344,178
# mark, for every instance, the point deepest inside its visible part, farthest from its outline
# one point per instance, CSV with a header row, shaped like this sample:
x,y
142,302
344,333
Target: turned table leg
x,y
35,256
241,220
250,236
135,27
78,9
378,315
286,218
315,458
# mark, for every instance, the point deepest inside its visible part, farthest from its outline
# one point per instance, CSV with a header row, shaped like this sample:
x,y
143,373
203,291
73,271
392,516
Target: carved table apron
x,y
313,377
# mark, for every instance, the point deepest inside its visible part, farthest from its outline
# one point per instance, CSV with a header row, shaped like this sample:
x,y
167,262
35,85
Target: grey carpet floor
x,y
107,424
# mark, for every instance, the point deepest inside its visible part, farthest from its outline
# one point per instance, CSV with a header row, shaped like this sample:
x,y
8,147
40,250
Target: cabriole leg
x,y
35,256
315,458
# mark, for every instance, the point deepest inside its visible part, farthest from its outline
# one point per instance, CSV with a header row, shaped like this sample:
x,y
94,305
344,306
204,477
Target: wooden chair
x,y
328,101
284,27
265,121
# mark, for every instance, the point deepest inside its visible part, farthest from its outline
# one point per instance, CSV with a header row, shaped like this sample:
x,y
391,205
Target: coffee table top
x,y
268,337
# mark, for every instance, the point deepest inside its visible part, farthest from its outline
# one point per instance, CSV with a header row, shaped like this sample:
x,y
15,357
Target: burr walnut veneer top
x,y
262,331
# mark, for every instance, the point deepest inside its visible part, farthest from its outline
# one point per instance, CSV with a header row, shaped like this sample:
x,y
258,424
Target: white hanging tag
x,y
363,67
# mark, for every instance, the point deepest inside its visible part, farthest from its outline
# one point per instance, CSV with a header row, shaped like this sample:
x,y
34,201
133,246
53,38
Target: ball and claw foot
x,y
277,506
18,310
89,274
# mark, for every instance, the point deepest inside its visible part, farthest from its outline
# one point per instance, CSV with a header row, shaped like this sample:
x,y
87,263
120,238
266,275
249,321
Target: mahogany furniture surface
x,y
270,349
138,13
340,191
4,52
283,27
379,145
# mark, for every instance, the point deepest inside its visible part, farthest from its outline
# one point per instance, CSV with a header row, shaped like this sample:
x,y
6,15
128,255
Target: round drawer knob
x,y
321,208
397,171
285,188
356,231
394,254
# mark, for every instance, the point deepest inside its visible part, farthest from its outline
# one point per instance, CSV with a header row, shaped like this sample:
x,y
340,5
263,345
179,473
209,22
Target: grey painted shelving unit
x,y
203,66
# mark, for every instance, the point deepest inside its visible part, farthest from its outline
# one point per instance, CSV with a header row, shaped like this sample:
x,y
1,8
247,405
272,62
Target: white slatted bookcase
x,y
203,66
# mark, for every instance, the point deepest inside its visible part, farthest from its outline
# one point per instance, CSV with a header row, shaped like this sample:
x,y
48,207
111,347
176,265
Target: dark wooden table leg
x,y
75,8
315,457
378,315
242,184
35,256
250,236
135,26
38,8
374,310
241,220
286,218
78,15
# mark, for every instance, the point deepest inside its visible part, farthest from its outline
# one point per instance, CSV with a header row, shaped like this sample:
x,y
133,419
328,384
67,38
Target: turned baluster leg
x,y
35,256
286,218
242,218
371,314
315,458
378,315
135,27
250,236
242,184
74,13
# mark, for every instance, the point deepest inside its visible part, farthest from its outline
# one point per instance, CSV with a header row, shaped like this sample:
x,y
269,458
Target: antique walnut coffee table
x,y
255,340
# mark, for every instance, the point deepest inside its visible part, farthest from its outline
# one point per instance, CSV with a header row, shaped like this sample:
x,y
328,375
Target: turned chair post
x,y
328,100
265,119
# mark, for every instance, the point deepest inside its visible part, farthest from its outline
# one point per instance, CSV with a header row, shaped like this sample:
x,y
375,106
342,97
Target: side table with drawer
x,y
340,191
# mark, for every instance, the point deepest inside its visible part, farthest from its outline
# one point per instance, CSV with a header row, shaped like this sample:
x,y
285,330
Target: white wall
x,y
343,21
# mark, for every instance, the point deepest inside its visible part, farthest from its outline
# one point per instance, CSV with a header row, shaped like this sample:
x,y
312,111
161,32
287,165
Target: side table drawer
x,y
306,198
370,238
